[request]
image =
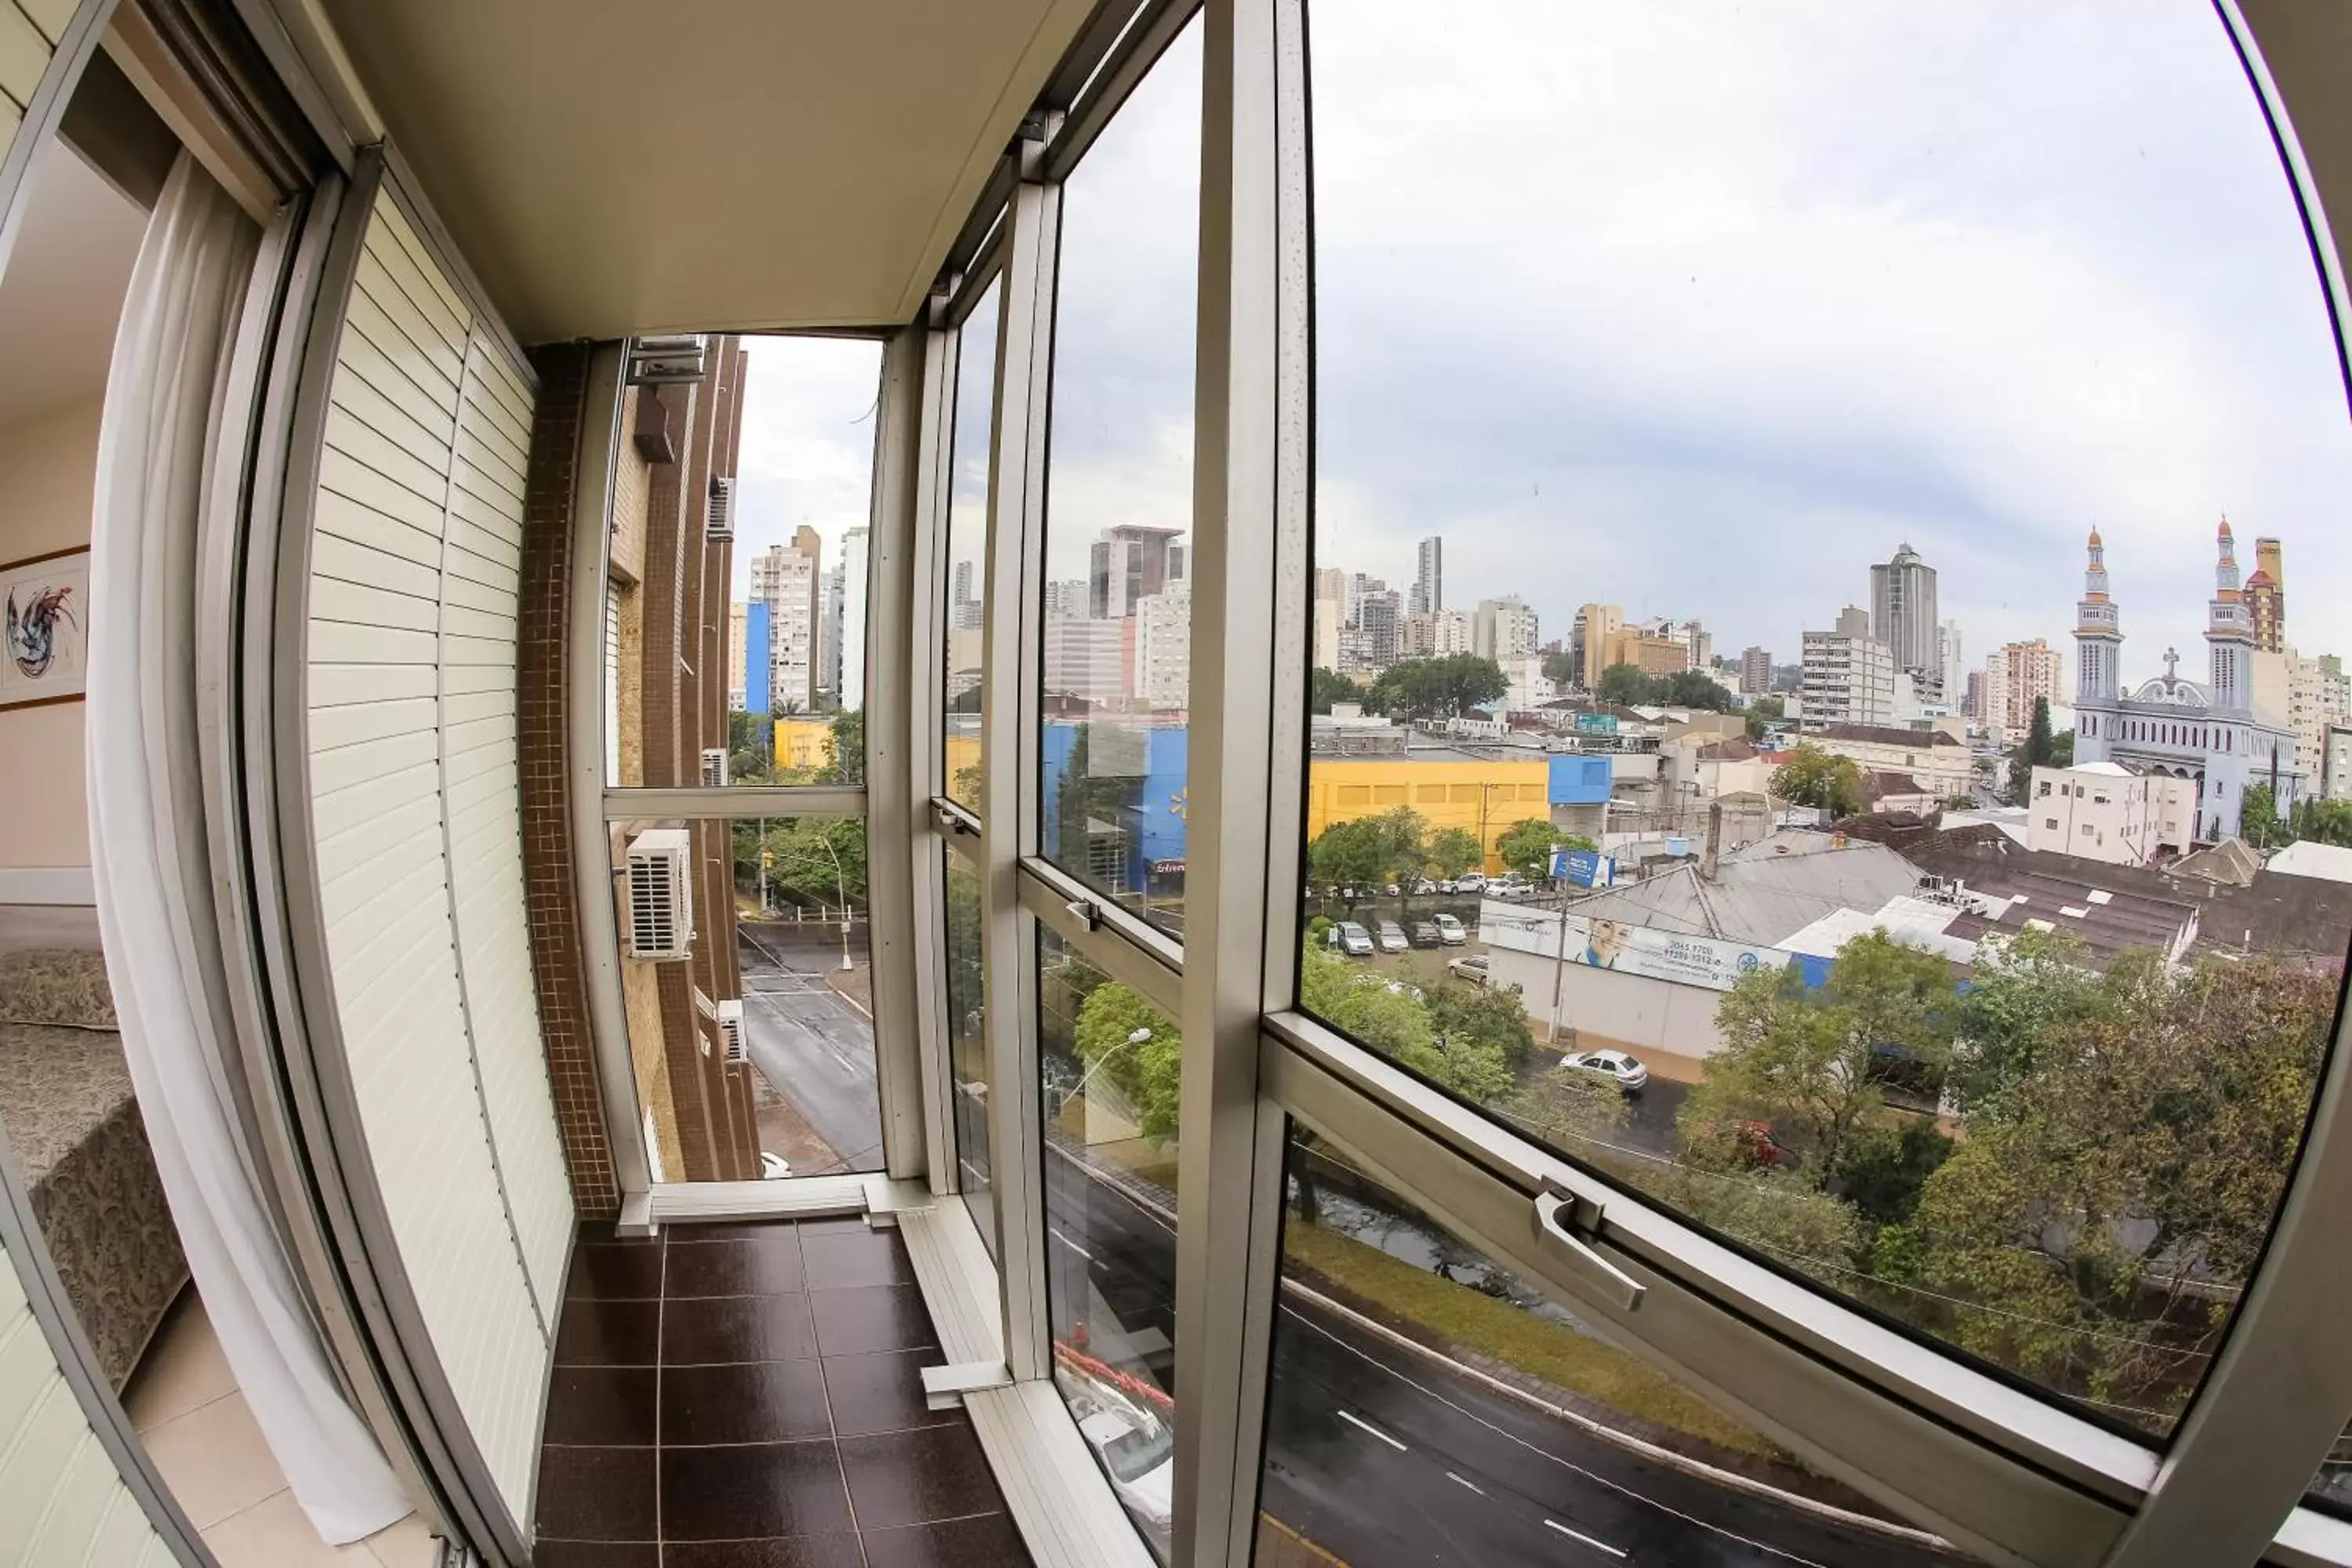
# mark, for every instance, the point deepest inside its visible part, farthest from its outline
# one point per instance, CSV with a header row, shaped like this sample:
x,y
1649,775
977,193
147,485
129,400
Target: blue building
x,y
1136,840
759,666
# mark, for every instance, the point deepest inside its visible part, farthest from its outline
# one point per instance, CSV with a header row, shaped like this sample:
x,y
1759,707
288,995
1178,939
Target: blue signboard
x,y
1584,868
1596,723
1577,780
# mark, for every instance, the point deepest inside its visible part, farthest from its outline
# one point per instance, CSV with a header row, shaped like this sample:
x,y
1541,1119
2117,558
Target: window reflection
x,y
969,460
1111,1063
1761,744
1118,594
968,1043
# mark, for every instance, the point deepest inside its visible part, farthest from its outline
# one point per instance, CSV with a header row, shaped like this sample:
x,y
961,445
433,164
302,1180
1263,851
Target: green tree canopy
x,y
1809,1062
2259,822
1762,712
1326,687
1560,667
1623,685
1817,778
2040,749
1125,1039
810,860
845,749
1453,850
1526,846
2326,821
1443,687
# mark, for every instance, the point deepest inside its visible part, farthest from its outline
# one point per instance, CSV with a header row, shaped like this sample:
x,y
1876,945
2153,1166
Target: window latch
x,y
946,820
1563,1224
1086,913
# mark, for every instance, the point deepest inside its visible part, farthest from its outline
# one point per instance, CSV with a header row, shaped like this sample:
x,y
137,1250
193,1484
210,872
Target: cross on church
x,y
2171,660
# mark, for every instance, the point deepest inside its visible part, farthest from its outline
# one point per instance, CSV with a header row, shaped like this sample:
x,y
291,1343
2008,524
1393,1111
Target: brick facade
x,y
543,711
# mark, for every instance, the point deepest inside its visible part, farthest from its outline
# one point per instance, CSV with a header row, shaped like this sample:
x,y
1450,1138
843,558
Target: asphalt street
x,y
1385,1458
810,1042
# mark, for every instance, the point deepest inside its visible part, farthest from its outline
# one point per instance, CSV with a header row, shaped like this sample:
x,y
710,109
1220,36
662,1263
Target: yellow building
x,y
804,742
1484,796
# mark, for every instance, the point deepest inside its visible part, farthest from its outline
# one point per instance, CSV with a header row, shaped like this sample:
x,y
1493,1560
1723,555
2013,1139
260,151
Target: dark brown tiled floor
x,y
750,1396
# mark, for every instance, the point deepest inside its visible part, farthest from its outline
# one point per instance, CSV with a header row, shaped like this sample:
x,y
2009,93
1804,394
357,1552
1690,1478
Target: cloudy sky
x,y
1700,309
808,444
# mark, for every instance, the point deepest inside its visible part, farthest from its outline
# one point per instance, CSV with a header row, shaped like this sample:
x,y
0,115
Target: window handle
x,y
1085,912
1556,1234
947,821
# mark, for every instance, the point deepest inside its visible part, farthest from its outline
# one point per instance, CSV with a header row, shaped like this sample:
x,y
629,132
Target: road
x,y
811,1043
1385,1458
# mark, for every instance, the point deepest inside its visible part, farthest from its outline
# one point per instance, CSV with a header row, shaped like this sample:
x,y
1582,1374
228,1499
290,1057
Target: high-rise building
x,y
2266,597
849,638
1698,640
1428,595
1903,618
1755,671
1849,675
785,577
737,636
964,606
1126,562
2015,676
1163,649
1598,624
1647,649
1949,660
1085,662
1503,629
1328,635
828,641
1972,701
1450,633
1379,626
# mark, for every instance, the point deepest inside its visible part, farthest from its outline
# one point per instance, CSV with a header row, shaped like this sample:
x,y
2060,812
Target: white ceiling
x,y
62,293
617,166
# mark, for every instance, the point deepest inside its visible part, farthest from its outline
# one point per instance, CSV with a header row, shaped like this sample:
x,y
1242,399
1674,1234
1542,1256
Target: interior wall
x,y
48,464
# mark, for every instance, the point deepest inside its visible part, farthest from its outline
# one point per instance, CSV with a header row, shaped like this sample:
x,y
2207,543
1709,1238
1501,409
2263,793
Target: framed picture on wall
x,y
43,628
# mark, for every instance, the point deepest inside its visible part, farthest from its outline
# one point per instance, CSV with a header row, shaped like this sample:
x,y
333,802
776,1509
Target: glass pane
x,y
968,1042
778,966
967,556
1737,757
1119,501
1428,1407
1110,1062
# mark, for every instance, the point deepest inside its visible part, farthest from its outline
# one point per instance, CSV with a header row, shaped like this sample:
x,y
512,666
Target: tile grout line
x,y
661,1317
832,1425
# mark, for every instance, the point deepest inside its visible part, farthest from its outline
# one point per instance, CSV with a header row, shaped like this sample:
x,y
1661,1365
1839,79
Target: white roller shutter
x,y
415,577
611,687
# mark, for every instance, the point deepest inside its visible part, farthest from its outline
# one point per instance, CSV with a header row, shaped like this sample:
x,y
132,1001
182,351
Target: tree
x,y
1621,685
1761,713
2029,995
1326,687
1402,835
813,860
2040,750
1484,1015
1808,1062
1453,850
1819,779
1443,687
2100,1210
2325,821
1125,1040
1524,846
1691,688
845,749
751,745
1561,1104
1087,797
2258,819
1350,856
1560,667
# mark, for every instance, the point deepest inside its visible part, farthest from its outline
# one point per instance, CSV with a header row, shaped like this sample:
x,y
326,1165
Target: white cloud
x,y
807,453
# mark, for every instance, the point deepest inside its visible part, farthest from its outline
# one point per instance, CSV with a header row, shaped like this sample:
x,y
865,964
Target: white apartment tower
x,y
1849,674
786,578
1503,629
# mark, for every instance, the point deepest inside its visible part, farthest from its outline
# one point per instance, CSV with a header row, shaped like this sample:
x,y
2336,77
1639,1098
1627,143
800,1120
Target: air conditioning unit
x,y
719,513
732,1049
668,358
714,767
661,897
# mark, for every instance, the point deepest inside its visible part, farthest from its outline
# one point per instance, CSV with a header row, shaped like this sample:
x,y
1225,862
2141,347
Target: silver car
x,y
1392,937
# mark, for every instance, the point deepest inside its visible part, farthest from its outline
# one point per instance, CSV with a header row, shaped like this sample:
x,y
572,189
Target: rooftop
x,y
2329,862
1882,735
1764,891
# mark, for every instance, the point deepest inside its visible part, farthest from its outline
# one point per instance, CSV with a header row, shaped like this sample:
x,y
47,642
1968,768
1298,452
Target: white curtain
x,y
148,846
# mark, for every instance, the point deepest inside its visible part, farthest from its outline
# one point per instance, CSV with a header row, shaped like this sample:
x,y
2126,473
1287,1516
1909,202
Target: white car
x,y
1471,968
1392,937
1627,1071
1141,1462
1351,939
1513,887
1470,883
1450,931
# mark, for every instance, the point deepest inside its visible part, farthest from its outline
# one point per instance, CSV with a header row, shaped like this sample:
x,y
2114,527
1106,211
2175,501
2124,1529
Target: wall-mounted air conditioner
x,y
719,513
732,1049
714,767
661,897
668,358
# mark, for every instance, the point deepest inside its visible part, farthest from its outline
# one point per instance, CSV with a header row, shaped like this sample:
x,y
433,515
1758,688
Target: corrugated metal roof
x,y
1761,896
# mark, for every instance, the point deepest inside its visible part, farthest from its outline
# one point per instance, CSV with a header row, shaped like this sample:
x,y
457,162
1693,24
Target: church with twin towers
x,y
2227,733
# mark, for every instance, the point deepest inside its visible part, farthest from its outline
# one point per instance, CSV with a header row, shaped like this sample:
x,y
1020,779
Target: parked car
x,y
1139,1457
1471,968
1627,1071
1393,938
1512,887
1424,888
1424,934
1450,931
1473,882
1391,889
1351,938
1447,886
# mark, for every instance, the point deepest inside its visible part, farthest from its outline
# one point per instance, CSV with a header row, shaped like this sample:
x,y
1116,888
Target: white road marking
x,y
1574,1535
1368,1427
1073,1246
1474,1486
